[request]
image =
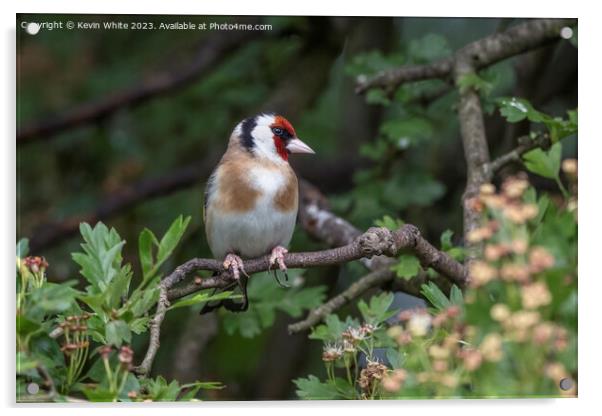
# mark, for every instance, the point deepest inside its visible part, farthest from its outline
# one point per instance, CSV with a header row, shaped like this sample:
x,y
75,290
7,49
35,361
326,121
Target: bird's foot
x,y
277,258
234,264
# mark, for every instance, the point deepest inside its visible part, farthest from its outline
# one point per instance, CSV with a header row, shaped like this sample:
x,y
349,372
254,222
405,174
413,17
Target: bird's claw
x,y
235,264
277,258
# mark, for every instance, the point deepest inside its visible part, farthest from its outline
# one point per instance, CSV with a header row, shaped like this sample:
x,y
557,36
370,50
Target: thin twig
x,y
484,52
373,279
525,144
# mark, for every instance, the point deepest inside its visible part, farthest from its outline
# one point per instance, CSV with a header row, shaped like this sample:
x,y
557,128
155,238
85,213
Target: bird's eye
x,y
277,131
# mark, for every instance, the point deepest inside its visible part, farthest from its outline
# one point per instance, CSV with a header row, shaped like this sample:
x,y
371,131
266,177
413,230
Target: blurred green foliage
x,y
387,158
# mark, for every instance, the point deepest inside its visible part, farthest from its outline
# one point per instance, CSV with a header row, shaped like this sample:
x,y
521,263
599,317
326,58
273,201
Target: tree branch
x,y
374,242
525,144
373,279
213,49
474,141
484,52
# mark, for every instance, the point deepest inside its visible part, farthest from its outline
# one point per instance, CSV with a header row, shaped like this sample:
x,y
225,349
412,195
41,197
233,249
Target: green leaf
x,y
517,109
139,325
97,394
131,384
377,310
171,238
51,298
312,388
25,363
435,296
332,328
117,332
395,357
429,48
456,296
118,288
26,326
472,80
300,299
145,251
446,240
377,96
101,260
22,248
266,299
193,388
406,132
202,298
389,223
546,164
407,267
142,304
248,325
95,302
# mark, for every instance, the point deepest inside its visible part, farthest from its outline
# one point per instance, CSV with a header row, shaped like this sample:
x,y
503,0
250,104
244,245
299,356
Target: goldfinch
x,y
251,198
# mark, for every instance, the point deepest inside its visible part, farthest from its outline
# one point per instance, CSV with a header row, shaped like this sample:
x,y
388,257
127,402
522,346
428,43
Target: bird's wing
x,y
209,193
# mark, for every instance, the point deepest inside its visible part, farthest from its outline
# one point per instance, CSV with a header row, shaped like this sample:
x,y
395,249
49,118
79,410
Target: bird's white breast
x,y
257,231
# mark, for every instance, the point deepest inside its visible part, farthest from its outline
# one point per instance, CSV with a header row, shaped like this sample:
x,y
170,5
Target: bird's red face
x,y
283,134
271,136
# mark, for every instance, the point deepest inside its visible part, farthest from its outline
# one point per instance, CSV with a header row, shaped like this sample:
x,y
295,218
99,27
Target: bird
x,y
252,198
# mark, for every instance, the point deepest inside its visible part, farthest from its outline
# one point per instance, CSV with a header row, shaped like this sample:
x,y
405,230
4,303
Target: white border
x,y
590,346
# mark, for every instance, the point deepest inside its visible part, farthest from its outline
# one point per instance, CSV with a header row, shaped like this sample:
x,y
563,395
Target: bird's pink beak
x,y
297,146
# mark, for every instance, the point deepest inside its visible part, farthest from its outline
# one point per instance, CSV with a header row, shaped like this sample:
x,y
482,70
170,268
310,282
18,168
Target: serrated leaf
x,y
456,297
139,325
332,328
312,388
389,223
435,296
407,267
517,109
116,332
142,304
546,164
377,310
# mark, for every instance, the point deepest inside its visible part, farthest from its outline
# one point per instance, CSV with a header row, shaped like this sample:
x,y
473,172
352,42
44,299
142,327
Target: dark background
x,y
142,164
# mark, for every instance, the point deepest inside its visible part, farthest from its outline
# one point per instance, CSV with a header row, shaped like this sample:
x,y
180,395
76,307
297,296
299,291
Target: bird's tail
x,y
229,304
